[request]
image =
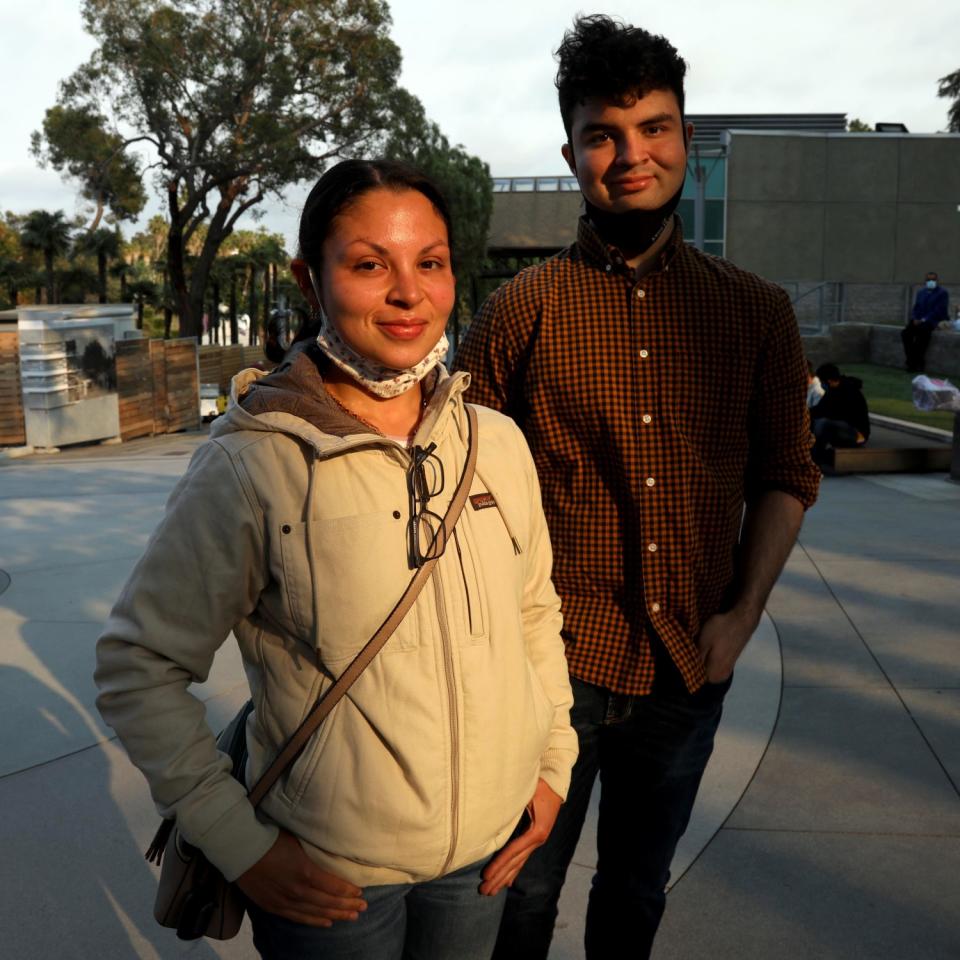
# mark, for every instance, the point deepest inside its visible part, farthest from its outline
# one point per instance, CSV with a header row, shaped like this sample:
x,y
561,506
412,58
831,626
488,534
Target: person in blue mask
x,y
930,309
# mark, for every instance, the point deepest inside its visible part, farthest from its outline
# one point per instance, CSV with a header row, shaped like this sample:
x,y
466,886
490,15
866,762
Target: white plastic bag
x,y
930,393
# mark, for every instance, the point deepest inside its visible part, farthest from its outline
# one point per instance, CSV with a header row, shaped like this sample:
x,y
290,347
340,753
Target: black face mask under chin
x,y
635,231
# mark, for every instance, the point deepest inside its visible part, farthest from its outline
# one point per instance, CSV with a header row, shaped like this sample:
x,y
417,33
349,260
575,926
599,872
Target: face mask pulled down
x,y
382,381
633,232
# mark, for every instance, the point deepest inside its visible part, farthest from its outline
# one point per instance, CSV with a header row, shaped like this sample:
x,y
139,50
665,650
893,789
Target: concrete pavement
x,y
829,821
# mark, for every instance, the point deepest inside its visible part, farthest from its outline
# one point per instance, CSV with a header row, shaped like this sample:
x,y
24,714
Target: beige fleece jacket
x,y
426,765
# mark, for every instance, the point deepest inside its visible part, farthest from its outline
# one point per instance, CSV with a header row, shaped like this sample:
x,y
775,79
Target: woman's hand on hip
x,y
285,881
502,870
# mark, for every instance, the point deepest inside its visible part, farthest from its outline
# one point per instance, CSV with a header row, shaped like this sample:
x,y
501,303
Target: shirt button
x,y
652,547
608,268
644,354
650,481
655,607
647,418
641,293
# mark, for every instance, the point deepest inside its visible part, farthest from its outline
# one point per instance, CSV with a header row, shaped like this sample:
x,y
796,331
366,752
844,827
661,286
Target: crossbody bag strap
x,y
362,660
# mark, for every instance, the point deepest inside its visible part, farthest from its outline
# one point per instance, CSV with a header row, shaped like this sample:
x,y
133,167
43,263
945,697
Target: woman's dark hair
x,y
601,57
345,183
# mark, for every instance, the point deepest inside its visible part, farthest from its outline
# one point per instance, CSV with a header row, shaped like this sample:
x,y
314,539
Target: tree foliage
x,y
15,270
949,87
856,125
463,178
76,142
48,234
104,245
238,99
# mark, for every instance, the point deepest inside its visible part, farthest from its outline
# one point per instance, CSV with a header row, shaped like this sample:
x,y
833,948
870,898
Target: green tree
x,y
150,244
856,125
105,245
239,98
48,234
13,269
465,182
142,289
949,86
76,142
75,280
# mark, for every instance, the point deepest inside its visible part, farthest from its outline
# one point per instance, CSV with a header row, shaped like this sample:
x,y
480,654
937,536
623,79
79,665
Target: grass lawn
x,y
889,393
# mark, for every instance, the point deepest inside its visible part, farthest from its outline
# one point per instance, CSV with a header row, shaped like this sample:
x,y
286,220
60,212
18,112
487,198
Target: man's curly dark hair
x,y
601,57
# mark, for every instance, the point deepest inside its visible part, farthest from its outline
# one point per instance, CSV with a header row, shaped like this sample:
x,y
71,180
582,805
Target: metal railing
x,y
829,309
535,185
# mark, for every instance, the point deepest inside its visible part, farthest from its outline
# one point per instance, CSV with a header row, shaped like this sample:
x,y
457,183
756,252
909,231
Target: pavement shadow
x,y
76,814
72,869
756,895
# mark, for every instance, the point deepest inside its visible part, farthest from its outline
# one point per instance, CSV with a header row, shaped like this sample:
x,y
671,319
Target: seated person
x,y
815,389
930,309
840,418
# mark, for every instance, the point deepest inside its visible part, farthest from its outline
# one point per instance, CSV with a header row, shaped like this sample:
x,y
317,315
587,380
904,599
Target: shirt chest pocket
x,y
358,567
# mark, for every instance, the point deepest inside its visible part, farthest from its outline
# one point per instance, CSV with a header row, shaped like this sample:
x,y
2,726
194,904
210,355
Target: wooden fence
x,y
12,429
219,364
157,384
158,387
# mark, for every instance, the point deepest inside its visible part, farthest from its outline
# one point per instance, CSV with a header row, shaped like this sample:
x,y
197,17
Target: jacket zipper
x,y
454,722
463,574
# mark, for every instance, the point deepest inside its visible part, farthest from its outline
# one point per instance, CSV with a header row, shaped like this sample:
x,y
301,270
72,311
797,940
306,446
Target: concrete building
x,y
848,223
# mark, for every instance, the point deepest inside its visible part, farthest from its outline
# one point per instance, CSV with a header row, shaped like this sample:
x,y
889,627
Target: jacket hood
x,y
292,399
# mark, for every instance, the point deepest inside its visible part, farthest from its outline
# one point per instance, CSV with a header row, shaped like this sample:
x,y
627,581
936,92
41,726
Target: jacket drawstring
x,y
517,549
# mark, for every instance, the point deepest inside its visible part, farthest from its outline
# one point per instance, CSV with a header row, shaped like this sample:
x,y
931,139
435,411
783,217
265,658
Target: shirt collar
x,y
606,255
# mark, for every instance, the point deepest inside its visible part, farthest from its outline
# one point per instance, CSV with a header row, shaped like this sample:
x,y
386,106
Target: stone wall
x,y
880,344
818,305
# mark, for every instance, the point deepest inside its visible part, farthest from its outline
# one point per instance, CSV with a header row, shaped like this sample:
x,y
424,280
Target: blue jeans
x,y
650,753
442,919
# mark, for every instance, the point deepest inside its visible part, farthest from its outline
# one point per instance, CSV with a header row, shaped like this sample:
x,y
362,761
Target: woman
x,y
296,529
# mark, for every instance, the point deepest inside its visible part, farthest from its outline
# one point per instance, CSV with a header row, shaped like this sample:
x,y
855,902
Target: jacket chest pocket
x,y
357,567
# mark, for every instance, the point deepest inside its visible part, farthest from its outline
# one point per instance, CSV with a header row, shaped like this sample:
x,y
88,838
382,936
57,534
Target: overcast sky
x,y
484,71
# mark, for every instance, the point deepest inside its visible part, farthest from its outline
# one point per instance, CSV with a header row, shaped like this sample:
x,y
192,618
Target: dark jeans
x,y
831,433
916,339
650,753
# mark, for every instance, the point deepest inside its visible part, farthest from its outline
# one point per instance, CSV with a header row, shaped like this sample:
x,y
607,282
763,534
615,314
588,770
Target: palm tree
x,y
266,253
104,244
49,234
142,289
74,281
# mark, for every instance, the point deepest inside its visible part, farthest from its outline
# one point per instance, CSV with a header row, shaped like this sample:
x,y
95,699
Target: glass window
x,y
713,227
715,247
716,179
522,184
714,169
569,184
548,184
501,185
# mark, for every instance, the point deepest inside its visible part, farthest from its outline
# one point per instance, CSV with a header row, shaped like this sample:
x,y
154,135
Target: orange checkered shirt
x,y
654,409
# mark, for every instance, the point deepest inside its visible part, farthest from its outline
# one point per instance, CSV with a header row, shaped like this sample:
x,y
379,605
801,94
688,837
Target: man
x,y
659,389
840,418
930,309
